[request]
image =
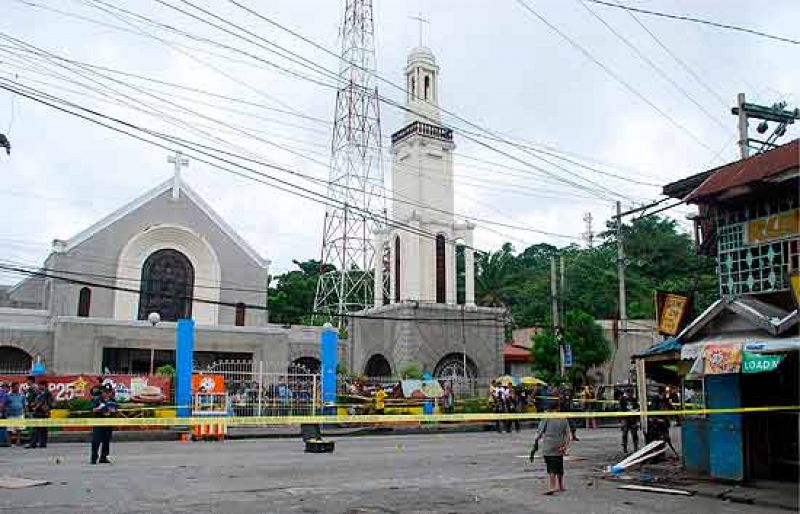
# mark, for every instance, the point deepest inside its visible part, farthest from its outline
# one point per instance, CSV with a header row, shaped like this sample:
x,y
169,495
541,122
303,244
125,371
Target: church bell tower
x,y
422,259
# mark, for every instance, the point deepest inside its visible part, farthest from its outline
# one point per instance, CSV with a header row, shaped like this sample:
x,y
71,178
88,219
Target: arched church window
x,y
397,269
241,310
427,86
84,302
441,270
167,286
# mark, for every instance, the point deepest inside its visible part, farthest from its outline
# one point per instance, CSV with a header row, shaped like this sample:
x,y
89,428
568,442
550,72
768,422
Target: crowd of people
x,y
29,399
34,400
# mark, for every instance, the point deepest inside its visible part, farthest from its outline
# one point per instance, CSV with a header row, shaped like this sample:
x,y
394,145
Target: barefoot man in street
x,y
555,435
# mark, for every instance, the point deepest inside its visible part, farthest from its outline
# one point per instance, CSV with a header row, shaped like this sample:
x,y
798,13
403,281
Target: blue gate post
x,y
184,357
329,353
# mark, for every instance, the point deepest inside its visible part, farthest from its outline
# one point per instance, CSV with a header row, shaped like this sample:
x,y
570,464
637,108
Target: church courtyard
x,y
457,472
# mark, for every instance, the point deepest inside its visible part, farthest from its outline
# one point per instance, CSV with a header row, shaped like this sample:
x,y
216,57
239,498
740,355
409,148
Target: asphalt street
x,y
463,472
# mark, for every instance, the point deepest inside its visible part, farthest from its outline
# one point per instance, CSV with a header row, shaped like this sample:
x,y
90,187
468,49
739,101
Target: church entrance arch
x,y
378,366
14,360
167,285
305,366
451,366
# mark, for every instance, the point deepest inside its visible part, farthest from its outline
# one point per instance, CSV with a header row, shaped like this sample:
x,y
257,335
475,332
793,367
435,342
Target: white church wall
x,y
191,244
221,265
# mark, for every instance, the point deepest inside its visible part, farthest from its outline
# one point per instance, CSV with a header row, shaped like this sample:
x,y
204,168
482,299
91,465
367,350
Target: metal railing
x,y
425,129
253,392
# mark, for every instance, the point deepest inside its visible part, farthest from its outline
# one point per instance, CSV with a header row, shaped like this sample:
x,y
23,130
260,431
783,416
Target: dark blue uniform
x,y
101,436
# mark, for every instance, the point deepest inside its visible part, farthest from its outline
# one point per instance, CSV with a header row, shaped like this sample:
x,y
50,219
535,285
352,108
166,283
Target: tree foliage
x,y
589,348
291,299
658,257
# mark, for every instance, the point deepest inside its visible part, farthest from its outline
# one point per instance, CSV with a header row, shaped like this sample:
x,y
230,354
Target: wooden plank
x,y
660,490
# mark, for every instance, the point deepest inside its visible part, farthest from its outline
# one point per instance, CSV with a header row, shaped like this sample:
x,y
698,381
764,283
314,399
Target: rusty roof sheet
x,y
752,169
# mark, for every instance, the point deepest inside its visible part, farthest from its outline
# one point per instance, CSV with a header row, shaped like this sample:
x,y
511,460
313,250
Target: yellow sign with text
x,y
773,227
672,312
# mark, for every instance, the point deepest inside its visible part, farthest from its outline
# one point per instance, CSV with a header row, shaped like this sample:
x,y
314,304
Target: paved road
x,y
477,472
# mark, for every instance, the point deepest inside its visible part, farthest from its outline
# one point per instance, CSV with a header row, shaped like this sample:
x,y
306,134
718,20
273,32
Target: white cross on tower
x,y
421,21
178,160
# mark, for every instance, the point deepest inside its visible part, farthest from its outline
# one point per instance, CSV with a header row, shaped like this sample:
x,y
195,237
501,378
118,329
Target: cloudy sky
x,y
501,68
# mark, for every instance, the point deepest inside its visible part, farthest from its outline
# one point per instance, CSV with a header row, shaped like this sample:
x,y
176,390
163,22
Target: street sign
x,y
567,355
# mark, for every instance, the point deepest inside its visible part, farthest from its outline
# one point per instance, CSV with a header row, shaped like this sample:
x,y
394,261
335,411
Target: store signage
x,y
671,313
771,228
722,358
760,363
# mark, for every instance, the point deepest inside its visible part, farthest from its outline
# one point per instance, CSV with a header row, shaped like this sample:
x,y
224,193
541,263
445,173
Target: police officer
x,y
103,406
630,424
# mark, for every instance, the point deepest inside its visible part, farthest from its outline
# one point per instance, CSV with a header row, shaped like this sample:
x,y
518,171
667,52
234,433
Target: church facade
x,y
425,325
91,306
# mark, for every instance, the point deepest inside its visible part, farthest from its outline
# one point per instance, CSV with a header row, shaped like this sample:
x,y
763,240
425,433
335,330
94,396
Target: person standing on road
x,y
3,412
630,424
40,409
16,410
554,434
380,401
103,406
565,401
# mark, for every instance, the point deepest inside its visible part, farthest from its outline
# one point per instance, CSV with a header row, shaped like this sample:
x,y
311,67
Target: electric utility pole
x,y
556,312
777,114
623,310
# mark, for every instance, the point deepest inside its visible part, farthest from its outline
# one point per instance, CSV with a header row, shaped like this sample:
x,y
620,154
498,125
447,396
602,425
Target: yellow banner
x,y
794,284
672,312
773,227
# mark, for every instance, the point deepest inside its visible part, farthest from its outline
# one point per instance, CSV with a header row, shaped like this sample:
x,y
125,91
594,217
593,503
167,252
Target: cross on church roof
x,y
178,160
421,21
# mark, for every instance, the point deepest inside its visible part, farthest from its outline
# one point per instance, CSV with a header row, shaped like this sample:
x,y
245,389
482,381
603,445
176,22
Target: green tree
x,y
589,348
492,280
291,300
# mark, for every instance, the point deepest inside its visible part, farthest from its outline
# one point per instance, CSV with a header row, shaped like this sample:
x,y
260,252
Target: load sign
x,y
758,363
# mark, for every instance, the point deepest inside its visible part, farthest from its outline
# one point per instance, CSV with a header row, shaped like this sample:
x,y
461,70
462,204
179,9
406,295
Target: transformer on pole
x,y
356,174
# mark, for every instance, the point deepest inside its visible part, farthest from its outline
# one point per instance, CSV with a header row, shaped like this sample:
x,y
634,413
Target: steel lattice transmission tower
x,y
356,173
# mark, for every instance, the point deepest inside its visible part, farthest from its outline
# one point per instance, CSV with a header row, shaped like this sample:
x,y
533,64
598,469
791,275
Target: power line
x,y
256,116
653,65
316,68
465,133
88,283
614,75
285,186
171,103
697,20
680,61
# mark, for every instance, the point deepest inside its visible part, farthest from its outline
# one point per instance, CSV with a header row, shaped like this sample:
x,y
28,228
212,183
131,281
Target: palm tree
x,y
493,273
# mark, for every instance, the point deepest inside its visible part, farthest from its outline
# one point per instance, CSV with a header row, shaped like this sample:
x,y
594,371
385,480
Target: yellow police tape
x,y
232,421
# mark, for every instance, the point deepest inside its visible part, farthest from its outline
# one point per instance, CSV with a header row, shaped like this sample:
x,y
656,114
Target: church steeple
x,y
422,86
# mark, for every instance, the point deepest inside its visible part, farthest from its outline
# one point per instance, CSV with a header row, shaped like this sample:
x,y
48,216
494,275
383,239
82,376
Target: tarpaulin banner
x,y
209,384
422,389
127,388
723,358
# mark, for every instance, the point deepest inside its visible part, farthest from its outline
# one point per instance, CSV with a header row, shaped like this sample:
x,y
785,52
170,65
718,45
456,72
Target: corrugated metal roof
x,y
753,169
513,353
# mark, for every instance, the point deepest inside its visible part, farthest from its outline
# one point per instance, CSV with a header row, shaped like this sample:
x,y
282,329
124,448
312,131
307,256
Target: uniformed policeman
x,y
103,406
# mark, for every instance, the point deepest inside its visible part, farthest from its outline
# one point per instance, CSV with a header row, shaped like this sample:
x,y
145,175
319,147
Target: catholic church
x,y
91,306
107,299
